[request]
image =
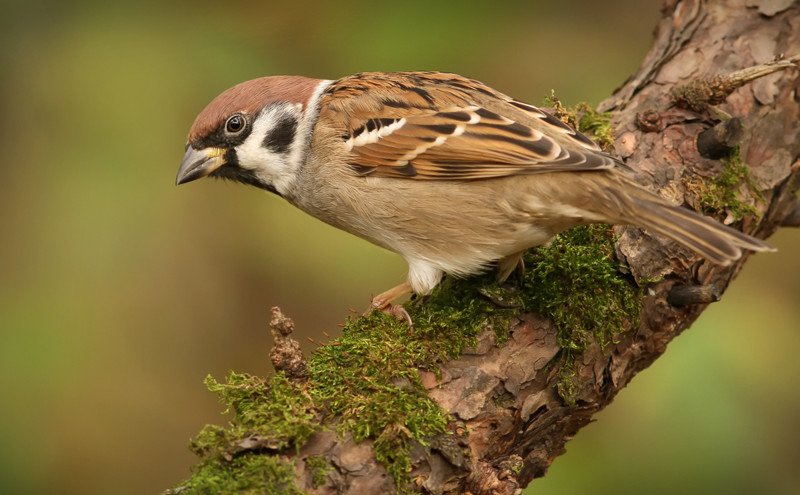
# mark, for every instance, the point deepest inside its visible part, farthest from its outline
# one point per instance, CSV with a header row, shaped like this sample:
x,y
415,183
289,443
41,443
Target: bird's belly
x,y
458,228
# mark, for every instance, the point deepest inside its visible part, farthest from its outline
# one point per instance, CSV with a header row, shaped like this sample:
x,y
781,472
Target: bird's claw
x,y
396,310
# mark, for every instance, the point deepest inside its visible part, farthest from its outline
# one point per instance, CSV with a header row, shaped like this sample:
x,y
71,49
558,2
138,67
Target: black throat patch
x,y
232,171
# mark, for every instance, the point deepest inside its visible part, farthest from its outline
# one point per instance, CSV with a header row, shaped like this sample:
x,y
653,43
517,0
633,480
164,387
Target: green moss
x,y
250,473
562,113
269,415
724,193
597,124
376,390
319,469
576,281
393,450
369,378
504,400
584,118
567,382
457,310
279,413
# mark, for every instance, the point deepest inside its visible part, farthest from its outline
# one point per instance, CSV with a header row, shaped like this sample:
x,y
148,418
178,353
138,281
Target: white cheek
x,y
271,167
251,153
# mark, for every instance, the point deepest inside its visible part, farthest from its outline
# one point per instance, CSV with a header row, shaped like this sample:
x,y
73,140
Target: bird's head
x,y
255,132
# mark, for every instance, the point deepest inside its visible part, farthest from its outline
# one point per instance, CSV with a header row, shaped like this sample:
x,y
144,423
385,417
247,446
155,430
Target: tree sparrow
x,y
441,169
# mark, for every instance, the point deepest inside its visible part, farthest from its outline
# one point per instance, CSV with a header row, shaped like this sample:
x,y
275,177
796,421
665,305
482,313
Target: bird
x,y
452,175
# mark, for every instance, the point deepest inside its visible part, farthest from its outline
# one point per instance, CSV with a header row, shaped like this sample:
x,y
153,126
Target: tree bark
x,y
507,443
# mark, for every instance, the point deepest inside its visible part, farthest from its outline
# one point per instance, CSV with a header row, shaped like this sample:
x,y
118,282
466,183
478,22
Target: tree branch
x,y
486,407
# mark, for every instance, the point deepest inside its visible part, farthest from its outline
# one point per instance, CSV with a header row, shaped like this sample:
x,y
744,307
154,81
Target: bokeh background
x,y
119,292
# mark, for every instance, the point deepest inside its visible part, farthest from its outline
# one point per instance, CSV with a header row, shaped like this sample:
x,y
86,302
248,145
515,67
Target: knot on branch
x,y
685,295
285,354
720,141
701,93
649,121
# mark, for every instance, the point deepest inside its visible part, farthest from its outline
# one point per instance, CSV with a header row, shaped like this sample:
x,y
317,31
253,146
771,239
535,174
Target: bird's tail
x,y
709,238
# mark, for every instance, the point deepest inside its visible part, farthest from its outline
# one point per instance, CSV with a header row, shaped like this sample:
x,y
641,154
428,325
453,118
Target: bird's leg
x,y
383,303
506,265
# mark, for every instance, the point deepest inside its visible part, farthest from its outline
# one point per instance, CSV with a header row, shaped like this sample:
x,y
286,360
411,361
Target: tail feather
x,y
611,197
709,238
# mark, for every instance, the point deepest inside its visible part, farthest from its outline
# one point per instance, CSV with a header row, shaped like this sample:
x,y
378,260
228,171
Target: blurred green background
x,y
121,292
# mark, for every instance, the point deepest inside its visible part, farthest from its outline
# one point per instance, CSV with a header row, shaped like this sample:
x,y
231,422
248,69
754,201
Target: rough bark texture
x,y
514,440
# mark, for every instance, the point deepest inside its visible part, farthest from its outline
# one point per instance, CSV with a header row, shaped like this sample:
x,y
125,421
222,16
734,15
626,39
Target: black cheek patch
x,y
282,135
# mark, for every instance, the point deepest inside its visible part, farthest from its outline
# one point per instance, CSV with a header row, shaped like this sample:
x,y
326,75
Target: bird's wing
x,y
442,126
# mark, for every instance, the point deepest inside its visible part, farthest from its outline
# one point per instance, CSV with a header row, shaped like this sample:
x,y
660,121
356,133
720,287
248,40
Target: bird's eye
x,y
235,124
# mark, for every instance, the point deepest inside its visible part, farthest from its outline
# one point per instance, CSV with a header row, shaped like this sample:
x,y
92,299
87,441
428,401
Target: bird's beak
x,y
197,164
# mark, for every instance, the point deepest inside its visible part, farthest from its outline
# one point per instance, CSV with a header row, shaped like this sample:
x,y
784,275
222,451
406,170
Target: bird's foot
x,y
383,303
396,310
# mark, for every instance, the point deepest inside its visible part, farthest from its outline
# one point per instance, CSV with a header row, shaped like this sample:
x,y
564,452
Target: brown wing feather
x,y
443,126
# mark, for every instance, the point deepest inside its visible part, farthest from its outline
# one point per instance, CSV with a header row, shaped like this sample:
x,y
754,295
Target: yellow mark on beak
x,y
197,164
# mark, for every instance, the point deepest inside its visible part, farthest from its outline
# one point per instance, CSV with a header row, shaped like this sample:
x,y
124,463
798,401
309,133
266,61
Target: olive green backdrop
x,y
119,292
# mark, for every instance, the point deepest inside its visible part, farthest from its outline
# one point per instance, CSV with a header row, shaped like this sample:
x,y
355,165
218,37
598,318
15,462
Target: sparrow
x,y
449,173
